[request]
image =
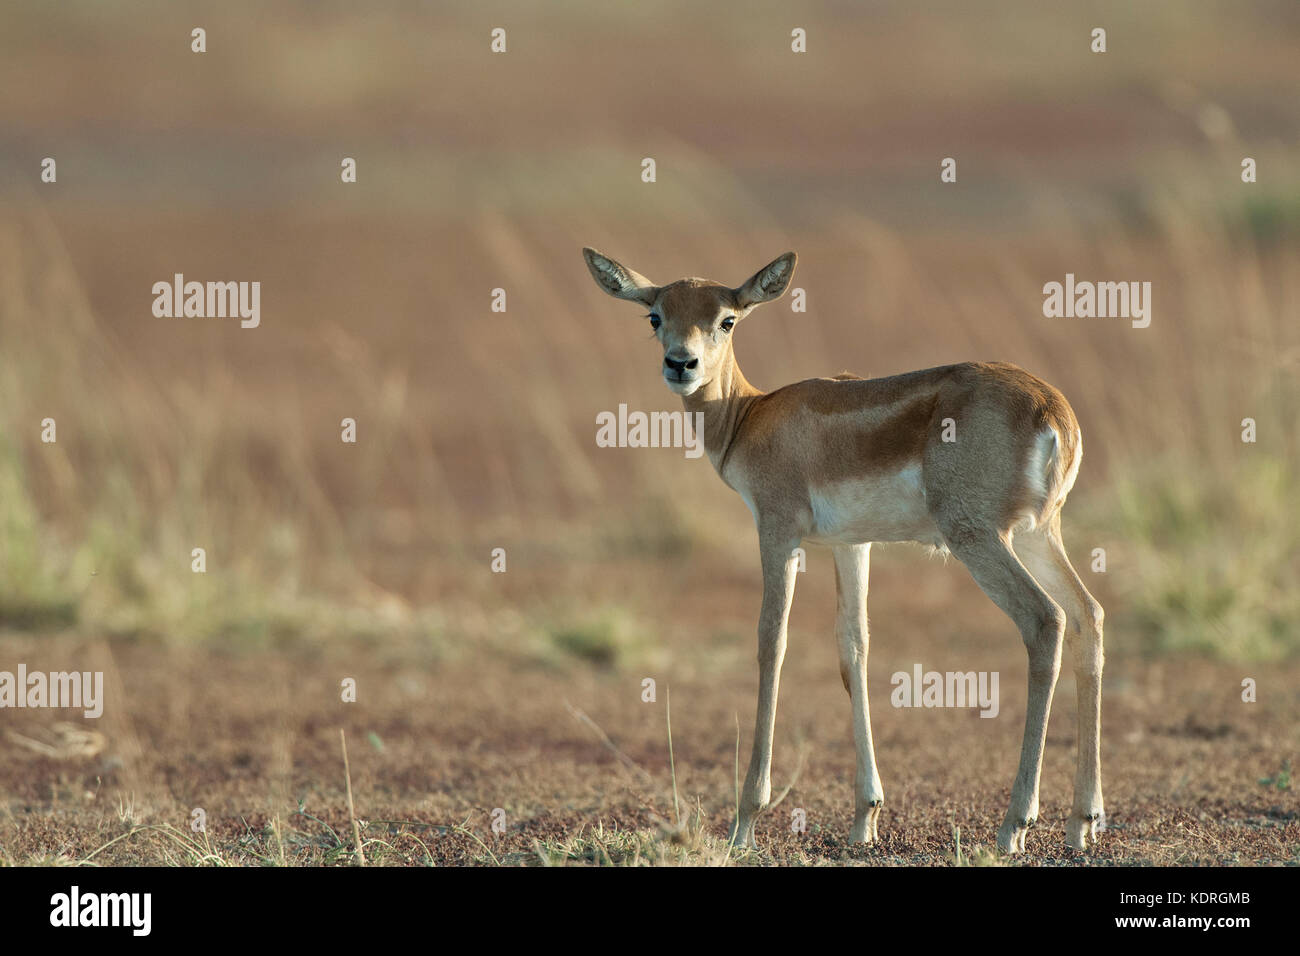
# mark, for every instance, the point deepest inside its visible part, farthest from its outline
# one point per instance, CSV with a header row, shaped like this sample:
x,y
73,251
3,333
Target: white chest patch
x,y
886,507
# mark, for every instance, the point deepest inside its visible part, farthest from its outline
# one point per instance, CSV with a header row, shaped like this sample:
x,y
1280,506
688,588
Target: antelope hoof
x,y
1081,830
865,826
1011,836
742,835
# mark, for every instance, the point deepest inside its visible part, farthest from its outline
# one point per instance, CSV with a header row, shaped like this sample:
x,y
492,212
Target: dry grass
x,y
98,528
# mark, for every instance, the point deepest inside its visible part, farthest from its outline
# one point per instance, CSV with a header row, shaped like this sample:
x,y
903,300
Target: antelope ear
x,y
768,283
618,280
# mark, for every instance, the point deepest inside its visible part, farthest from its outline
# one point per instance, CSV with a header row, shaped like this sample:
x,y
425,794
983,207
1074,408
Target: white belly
x,y
886,507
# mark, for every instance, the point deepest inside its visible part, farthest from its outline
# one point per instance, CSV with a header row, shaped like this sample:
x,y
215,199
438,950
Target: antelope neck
x,y
725,401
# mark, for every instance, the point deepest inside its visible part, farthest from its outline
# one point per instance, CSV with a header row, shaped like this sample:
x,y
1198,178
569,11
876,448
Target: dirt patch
x,y
438,742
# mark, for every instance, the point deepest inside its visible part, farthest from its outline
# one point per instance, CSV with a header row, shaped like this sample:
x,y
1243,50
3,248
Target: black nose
x,y
677,366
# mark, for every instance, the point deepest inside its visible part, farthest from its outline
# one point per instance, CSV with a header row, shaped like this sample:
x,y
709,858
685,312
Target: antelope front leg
x,y
851,568
778,591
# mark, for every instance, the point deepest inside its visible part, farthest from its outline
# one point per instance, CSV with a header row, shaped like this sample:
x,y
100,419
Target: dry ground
x,y
451,726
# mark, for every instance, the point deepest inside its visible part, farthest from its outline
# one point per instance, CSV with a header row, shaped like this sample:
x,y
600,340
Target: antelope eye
x,y
655,321
728,323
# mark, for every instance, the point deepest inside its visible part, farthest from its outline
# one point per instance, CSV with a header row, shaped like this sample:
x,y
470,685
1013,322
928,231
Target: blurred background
x,y
476,429
478,171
